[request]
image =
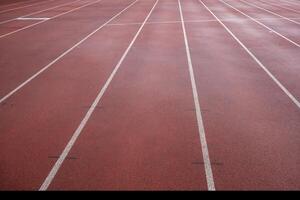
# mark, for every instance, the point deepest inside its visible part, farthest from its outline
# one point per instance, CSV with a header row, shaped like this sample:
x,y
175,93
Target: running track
x,y
150,95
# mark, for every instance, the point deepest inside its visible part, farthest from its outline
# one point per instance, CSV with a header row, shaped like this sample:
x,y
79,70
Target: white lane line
x,y
84,121
283,7
201,131
3,11
23,16
57,59
33,18
294,100
273,13
237,19
29,26
138,23
192,21
270,29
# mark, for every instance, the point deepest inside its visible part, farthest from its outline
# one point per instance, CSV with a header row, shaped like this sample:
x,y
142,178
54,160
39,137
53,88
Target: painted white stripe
x,y
273,13
270,29
29,26
191,21
57,59
33,18
84,121
277,5
138,23
24,16
3,11
294,100
201,131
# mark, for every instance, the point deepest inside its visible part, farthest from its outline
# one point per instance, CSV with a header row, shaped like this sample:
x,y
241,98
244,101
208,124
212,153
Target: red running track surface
x,y
104,95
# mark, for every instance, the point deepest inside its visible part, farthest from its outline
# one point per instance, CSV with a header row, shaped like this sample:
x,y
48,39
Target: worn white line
x,y
37,12
84,121
138,23
201,131
294,100
273,13
29,26
270,29
3,11
277,5
33,18
191,21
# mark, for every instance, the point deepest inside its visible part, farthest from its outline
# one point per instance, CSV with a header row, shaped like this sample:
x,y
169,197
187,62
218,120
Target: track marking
x,y
294,100
33,18
3,11
9,20
84,121
270,29
139,23
272,4
29,26
189,21
273,13
201,131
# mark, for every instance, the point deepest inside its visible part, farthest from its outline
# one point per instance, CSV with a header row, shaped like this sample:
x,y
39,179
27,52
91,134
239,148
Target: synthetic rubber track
x,y
124,95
